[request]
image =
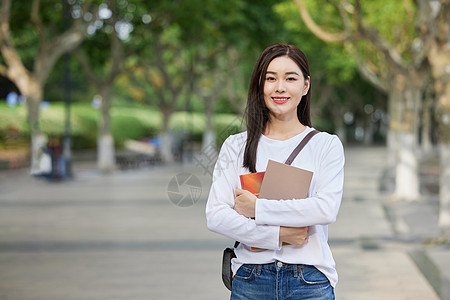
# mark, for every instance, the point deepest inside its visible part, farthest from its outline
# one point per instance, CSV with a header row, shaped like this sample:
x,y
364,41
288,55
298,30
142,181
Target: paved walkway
x,y
372,260
120,237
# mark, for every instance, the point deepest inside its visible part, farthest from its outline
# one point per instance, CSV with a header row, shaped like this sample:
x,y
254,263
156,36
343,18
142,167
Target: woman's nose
x,y
281,86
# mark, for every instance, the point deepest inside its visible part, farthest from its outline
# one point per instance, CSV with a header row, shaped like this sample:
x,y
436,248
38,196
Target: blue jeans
x,y
280,281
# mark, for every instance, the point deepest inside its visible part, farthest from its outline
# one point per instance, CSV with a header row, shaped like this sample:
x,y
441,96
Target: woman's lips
x,y
280,100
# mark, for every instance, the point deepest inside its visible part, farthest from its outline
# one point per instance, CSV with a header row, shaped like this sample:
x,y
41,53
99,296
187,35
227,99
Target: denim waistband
x,y
278,266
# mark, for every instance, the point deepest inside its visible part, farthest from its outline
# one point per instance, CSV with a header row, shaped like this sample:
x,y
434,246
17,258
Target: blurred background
x,y
97,89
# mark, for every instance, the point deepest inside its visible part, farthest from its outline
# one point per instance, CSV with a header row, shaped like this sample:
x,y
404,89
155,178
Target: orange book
x,y
252,183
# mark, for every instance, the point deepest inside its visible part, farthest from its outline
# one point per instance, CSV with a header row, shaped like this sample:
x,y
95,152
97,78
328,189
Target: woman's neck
x,y
283,129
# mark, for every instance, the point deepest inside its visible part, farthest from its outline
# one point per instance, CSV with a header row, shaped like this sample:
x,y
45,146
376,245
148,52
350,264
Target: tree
x,y
169,75
189,57
434,28
337,88
212,74
51,46
393,67
108,67
123,29
426,61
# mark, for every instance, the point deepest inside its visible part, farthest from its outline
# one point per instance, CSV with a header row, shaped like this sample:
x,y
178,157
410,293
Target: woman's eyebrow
x,y
287,73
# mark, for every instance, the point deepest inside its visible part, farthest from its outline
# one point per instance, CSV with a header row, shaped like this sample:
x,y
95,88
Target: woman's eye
x,y
292,79
270,78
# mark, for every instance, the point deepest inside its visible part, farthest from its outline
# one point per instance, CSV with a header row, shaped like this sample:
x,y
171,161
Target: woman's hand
x,y
244,203
294,235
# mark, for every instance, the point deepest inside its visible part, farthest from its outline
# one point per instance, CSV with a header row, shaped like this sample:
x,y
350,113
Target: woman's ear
x,y
306,87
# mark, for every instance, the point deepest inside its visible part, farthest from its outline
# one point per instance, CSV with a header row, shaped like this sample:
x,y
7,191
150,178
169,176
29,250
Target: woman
x,y
278,118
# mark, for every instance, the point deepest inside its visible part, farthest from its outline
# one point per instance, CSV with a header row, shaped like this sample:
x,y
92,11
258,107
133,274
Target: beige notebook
x,y
285,182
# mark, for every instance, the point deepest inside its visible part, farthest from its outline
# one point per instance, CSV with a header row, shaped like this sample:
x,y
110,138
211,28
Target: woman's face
x,y
284,87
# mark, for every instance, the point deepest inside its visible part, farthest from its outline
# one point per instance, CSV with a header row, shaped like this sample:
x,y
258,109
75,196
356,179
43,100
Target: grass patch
x,y
127,122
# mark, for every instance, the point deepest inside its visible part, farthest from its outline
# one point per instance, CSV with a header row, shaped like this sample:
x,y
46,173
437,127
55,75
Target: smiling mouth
x,y
280,100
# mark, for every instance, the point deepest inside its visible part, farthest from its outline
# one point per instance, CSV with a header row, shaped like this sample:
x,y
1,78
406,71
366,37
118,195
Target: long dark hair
x,y
256,113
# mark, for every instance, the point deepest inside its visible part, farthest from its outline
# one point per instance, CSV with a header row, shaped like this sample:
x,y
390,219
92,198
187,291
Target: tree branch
x,y
117,55
37,22
51,52
4,19
234,95
168,82
409,10
342,7
322,98
87,68
372,36
316,29
15,69
371,76
426,30
3,71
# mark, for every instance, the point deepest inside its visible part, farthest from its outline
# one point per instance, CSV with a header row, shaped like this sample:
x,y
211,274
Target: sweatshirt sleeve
x,y
220,214
322,206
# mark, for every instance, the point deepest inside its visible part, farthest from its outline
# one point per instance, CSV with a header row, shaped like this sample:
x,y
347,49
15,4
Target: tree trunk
x,y
105,140
166,138
392,155
32,88
341,129
443,117
395,115
406,175
404,97
444,157
209,137
444,189
38,139
439,58
341,132
369,132
425,135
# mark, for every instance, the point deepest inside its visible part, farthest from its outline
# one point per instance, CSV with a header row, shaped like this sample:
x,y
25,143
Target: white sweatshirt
x,y
324,156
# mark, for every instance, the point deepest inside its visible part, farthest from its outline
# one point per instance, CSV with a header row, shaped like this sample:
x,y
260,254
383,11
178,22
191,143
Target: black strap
x,y
293,155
